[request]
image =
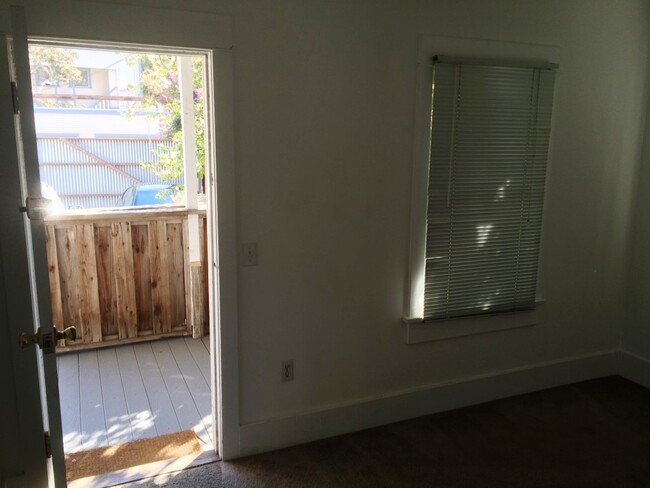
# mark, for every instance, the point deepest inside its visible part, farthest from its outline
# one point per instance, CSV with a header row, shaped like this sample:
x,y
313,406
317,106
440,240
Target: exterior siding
x,y
93,173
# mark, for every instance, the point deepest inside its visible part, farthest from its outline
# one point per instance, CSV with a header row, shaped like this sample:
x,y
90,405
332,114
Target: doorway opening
x,y
124,155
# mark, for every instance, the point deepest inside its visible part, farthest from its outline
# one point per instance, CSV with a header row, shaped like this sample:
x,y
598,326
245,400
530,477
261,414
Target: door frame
x,y
201,31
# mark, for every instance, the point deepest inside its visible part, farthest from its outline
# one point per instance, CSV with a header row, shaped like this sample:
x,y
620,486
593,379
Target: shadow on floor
x,y
590,434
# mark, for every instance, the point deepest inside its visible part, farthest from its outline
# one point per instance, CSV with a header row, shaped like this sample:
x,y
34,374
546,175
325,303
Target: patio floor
x,y
119,394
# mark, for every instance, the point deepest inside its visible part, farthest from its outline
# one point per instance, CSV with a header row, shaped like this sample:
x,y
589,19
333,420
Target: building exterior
x,y
93,141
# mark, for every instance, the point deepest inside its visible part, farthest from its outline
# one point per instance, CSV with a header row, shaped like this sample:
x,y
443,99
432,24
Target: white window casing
x,y
482,142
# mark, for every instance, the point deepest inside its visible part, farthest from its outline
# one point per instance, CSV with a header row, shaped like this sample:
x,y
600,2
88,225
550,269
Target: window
x,y
489,139
84,82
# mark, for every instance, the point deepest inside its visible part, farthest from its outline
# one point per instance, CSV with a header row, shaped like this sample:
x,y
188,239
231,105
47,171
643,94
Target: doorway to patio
x,y
124,144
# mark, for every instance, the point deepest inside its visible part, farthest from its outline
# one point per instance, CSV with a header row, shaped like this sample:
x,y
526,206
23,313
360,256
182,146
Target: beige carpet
x,y
107,459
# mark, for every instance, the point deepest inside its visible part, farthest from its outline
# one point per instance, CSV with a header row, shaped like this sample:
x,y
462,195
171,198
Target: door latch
x,y
47,341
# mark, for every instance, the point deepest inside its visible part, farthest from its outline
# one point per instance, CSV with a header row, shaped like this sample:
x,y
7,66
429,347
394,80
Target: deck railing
x,y
123,276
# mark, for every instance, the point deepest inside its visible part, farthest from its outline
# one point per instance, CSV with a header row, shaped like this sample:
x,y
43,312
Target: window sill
x,y
418,331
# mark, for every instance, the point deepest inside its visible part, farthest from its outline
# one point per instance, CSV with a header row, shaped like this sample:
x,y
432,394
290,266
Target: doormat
x,y
143,451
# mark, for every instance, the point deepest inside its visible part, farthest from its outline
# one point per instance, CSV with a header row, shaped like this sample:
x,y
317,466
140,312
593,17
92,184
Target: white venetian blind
x,y
490,131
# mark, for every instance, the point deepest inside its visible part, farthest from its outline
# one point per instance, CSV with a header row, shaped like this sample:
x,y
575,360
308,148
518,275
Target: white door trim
x,y
210,33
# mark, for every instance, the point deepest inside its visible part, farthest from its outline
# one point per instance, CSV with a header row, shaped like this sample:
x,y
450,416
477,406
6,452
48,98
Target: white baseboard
x,y
634,367
282,432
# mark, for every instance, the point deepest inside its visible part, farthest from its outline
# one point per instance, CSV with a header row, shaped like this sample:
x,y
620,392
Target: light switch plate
x,y
249,254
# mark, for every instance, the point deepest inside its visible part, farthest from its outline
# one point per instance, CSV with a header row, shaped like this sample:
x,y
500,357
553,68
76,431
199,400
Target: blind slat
x,y
490,130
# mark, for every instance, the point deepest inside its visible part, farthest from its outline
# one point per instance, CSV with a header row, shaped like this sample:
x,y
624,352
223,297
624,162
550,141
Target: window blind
x,y
490,129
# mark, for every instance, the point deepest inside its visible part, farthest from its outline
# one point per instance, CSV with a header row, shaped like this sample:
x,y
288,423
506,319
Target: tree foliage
x,y
160,91
53,67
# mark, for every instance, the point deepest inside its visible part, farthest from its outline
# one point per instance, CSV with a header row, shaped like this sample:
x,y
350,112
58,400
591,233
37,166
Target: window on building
x,y
490,129
84,82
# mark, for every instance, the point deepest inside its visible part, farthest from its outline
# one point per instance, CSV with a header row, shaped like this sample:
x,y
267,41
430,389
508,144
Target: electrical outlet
x,y
286,374
249,254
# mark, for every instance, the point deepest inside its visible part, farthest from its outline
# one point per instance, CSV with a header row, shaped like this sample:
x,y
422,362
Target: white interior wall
x,y
324,107
636,331
323,112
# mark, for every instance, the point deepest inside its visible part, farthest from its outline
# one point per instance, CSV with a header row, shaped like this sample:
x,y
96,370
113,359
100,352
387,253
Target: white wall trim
x,y
223,257
418,331
428,46
634,367
160,26
267,435
178,30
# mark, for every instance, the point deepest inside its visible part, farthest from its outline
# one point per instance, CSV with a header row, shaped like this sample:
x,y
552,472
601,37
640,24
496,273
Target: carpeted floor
x,y
591,434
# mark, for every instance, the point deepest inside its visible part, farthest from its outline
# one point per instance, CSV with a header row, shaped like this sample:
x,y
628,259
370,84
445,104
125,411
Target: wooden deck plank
x,y
69,398
118,427
198,387
140,415
184,406
93,425
133,392
200,355
161,405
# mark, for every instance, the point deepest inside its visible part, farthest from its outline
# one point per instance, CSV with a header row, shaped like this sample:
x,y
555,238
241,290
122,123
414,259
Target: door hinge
x,y
14,96
48,445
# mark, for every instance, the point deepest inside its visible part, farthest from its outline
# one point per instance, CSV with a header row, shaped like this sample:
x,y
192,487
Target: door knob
x,y
47,341
67,334
29,339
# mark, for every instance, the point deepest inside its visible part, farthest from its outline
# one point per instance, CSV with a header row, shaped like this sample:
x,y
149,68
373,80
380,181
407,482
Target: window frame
x,y
428,46
88,79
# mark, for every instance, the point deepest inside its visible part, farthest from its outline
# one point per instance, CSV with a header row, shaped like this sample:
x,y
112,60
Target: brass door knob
x,y
29,339
45,341
67,334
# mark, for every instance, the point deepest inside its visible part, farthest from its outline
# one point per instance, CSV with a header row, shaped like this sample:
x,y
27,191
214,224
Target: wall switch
x,y
286,373
249,254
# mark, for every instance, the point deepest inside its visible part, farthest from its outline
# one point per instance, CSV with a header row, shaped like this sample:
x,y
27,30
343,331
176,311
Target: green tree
x,y
159,85
53,67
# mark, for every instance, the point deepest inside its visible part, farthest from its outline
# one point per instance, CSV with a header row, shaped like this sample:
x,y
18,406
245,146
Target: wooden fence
x,y
124,276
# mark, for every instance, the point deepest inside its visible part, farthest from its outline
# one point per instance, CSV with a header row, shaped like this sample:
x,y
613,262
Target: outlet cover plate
x,y
286,373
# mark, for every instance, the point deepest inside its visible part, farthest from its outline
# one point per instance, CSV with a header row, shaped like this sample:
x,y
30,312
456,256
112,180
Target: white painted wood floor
x,y
119,394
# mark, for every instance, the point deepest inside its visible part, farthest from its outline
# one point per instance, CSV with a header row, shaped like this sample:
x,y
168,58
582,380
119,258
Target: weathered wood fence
x,y
124,276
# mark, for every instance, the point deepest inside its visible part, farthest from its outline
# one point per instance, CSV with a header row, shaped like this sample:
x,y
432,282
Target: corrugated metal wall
x,y
76,169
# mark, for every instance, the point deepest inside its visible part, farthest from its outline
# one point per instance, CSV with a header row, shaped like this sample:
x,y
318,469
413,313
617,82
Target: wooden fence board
x,y
105,281
124,277
87,290
205,303
176,263
54,277
187,277
67,252
142,276
160,297
196,295
127,314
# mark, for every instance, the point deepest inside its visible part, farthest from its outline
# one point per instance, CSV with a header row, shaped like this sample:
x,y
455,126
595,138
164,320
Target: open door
x,y
25,276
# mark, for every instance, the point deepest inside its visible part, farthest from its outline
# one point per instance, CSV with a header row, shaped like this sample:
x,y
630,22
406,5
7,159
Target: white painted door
x,y
25,275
